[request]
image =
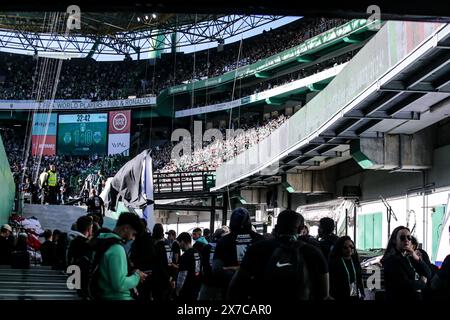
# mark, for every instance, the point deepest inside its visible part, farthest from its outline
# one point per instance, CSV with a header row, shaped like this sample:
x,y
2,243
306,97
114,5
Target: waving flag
x,y
147,187
133,185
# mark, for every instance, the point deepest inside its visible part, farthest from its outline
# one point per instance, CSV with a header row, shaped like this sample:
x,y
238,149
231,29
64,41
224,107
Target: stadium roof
x,y
102,23
123,33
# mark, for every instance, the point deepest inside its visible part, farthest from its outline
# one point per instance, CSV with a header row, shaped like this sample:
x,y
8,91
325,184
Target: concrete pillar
x,y
213,214
313,181
394,152
224,208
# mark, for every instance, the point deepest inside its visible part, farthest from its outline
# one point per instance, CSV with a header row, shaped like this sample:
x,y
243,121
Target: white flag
x,y
148,191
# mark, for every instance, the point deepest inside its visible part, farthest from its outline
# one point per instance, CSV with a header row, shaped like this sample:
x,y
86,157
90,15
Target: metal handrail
x,y
187,181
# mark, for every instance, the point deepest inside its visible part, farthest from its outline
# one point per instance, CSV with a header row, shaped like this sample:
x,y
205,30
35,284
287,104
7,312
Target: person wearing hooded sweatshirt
x,y
80,252
200,241
115,280
230,250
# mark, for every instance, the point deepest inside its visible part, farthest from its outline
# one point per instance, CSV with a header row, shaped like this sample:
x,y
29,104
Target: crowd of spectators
x,y
88,79
213,154
70,168
75,169
260,86
214,63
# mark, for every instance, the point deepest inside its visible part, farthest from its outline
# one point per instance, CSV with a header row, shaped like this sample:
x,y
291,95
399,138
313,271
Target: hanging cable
x,y
45,86
231,109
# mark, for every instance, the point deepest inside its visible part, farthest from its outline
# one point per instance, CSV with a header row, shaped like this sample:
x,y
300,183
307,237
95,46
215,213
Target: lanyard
x,y
416,275
348,274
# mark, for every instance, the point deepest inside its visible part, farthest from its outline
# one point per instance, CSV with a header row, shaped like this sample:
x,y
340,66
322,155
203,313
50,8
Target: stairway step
x,y
39,297
31,280
30,285
32,270
32,274
32,267
29,291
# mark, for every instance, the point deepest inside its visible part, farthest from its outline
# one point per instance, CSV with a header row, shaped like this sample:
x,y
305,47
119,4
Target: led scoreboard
x,y
82,134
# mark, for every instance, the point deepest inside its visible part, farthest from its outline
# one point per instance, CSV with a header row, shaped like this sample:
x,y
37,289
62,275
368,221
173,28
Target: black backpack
x,y
286,274
100,248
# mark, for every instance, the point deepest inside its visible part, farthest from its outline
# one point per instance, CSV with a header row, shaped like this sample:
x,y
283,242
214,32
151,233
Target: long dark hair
x,y
391,246
336,252
158,232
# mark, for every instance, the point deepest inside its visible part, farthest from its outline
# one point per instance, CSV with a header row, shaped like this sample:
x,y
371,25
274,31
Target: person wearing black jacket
x,y
61,252
428,293
304,236
345,271
20,257
256,280
176,250
440,283
48,249
405,274
162,282
188,278
230,250
81,252
210,289
143,257
6,244
327,238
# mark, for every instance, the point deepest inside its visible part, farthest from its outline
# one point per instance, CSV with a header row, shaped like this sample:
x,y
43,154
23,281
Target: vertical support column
x,y
289,201
425,210
346,221
224,208
354,224
213,214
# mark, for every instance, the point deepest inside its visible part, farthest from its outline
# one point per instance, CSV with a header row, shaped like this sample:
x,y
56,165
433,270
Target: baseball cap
x,y
7,227
171,232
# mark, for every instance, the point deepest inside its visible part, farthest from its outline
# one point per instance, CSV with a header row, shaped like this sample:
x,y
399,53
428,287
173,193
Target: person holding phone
x,y
405,274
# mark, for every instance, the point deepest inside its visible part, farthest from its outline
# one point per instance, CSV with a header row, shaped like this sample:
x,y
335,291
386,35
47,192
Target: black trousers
x,y
53,195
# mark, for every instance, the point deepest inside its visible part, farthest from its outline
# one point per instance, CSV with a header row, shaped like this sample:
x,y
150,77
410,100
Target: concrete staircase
x,y
36,283
54,216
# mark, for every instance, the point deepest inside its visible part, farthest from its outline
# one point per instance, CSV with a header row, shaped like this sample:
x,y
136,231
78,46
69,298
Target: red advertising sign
x,y
45,143
119,121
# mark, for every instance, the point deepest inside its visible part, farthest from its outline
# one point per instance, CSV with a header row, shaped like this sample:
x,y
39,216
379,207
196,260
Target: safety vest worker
x,y
52,179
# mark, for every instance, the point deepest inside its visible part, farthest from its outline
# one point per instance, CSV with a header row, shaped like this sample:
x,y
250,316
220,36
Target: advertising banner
x,y
118,143
45,143
79,105
119,121
44,134
119,132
